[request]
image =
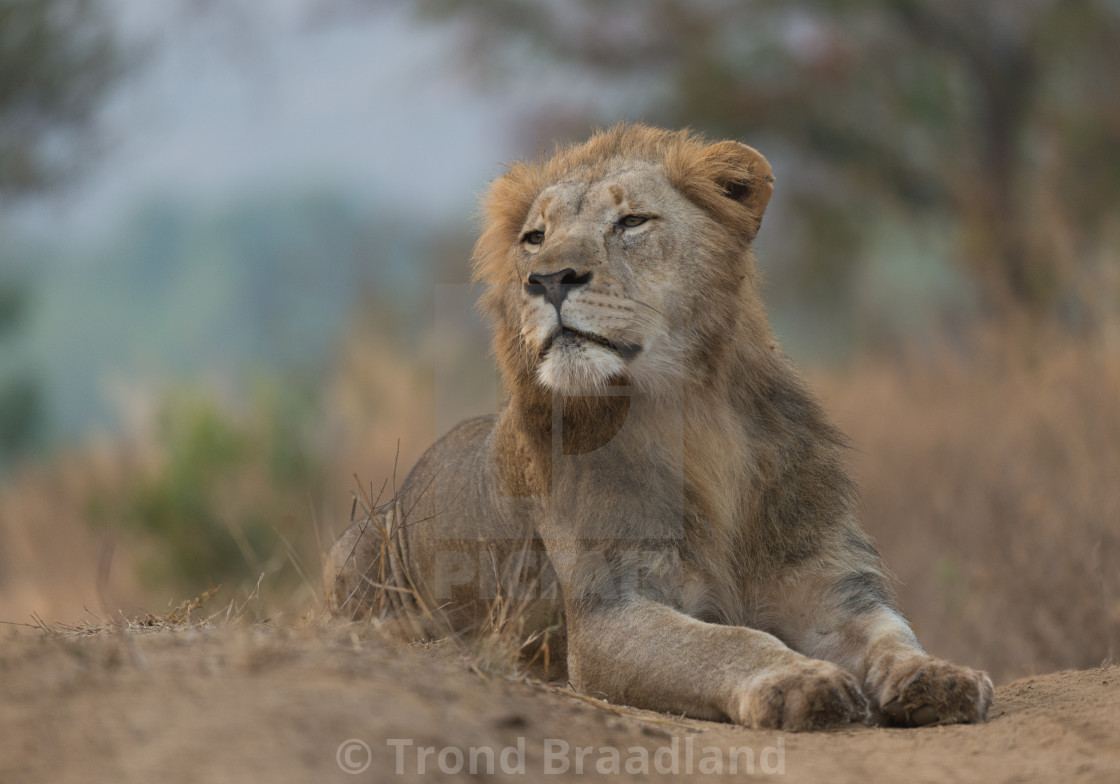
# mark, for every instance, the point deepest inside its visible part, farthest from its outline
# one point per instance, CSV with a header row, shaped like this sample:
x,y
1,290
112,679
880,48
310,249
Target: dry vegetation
x,y
989,480
990,485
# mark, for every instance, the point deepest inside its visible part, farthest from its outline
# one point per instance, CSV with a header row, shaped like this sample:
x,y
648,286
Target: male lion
x,y
660,469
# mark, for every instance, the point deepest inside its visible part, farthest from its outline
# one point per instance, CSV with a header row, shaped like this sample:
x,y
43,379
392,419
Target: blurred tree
x,y
220,505
20,400
57,58
1001,118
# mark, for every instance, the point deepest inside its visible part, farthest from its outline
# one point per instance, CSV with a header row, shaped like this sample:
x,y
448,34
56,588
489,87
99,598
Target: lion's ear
x,y
742,174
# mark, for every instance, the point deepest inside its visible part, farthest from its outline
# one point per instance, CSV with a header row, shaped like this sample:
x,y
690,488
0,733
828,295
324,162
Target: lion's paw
x,y
934,691
806,695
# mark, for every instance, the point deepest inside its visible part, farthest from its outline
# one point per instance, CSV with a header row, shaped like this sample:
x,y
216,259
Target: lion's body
x,y
660,471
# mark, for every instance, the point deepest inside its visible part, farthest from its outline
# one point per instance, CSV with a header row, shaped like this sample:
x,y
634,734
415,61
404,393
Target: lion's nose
x,y
554,286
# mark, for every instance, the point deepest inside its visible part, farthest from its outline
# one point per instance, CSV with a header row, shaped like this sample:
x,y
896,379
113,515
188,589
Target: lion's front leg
x,y
909,687
849,619
643,653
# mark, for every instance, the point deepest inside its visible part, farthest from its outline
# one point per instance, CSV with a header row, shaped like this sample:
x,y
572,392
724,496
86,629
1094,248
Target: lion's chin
x,y
574,366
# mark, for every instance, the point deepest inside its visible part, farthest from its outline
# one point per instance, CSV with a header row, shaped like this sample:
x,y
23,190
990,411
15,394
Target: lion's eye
x,y
533,237
630,221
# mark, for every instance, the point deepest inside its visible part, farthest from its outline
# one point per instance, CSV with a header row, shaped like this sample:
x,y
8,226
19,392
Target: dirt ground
x,y
303,701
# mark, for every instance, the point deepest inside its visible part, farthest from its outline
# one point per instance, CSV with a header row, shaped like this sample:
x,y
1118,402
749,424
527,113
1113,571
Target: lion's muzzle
x,y
555,286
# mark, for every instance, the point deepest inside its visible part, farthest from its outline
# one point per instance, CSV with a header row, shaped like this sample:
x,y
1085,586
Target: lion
x,y
660,478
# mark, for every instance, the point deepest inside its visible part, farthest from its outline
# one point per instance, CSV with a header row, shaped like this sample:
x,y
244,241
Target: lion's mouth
x,y
625,350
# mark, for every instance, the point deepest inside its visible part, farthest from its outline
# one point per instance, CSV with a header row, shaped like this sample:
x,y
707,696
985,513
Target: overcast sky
x,y
249,96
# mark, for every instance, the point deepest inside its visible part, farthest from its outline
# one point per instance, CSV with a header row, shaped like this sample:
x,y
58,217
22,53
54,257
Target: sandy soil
x,y
266,704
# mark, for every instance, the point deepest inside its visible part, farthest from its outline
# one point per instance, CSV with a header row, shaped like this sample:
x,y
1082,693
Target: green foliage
x,y
13,300
21,416
223,503
21,400
57,60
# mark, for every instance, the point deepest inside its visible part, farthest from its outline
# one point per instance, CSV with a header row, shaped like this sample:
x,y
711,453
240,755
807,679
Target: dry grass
x,y
511,647
182,616
506,643
52,560
991,486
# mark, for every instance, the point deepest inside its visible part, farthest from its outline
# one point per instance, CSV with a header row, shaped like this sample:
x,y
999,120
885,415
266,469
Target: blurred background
x,y
234,291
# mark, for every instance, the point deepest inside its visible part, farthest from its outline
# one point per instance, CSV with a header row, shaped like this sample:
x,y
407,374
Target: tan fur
x,y
660,476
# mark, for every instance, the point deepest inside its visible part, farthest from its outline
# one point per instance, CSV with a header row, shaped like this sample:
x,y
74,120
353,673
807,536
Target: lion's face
x,y
621,261
606,278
